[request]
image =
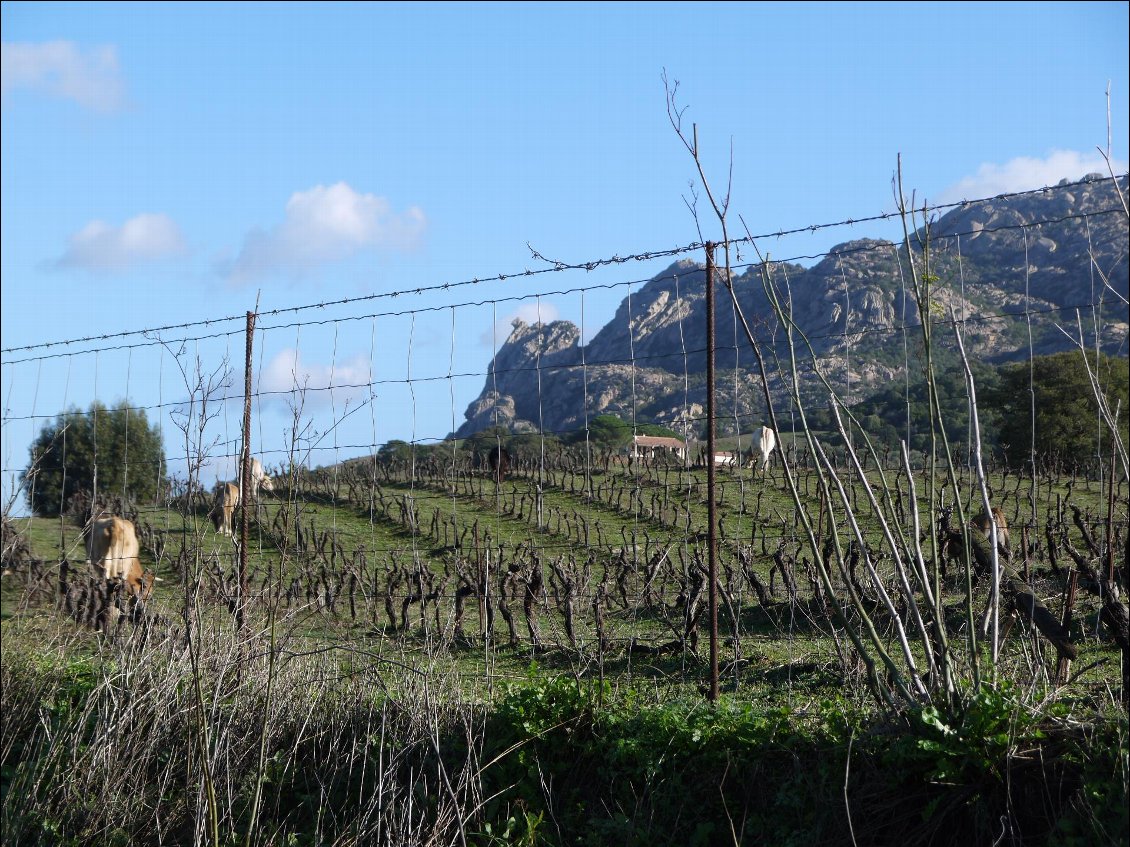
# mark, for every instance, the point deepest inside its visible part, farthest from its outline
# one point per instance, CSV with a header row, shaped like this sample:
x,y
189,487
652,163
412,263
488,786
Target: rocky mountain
x,y
1013,267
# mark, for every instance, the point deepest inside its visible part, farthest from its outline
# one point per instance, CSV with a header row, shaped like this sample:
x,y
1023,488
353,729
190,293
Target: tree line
x,y
1051,395
1040,410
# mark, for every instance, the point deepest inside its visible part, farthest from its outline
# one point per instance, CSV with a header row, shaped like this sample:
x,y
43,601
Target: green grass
x,y
479,527
611,738
104,741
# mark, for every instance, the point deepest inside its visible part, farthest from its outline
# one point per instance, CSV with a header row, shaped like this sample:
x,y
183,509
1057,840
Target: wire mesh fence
x,y
422,496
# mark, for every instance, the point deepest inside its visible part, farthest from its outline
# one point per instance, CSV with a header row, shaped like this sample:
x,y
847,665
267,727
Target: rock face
x,y
1045,254
532,355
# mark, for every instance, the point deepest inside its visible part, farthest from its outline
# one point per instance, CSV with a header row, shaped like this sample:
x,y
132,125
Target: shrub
x,y
126,451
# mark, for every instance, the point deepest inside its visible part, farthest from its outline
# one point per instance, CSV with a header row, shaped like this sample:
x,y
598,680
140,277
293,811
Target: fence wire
x,y
392,515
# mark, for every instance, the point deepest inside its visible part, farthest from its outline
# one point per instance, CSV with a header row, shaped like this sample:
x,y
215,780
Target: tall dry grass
x,y
103,741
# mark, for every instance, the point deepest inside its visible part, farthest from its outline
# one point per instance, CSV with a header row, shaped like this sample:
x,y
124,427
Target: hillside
x,y
997,262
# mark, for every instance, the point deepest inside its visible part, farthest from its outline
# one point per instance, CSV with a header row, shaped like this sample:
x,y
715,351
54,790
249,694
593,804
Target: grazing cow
x,y
111,544
764,443
228,495
499,458
259,479
223,507
981,522
952,543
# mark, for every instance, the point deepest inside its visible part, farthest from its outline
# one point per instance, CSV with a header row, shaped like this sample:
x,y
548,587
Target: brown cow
x,y
223,507
111,544
952,543
981,522
499,458
228,496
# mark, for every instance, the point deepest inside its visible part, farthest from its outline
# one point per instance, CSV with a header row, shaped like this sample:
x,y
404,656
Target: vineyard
x,y
909,639
445,586
590,567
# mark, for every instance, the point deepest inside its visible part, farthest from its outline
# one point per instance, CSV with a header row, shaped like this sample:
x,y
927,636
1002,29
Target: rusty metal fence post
x,y
245,478
712,530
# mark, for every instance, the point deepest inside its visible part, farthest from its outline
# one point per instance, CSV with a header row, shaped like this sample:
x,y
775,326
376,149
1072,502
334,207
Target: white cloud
x,y
59,68
98,246
326,224
1026,173
530,313
345,382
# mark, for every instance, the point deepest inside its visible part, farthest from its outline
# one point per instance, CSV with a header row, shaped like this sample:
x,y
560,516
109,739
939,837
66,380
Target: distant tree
x,y
609,431
425,452
883,415
531,445
395,450
398,450
483,440
118,444
657,430
879,430
1068,428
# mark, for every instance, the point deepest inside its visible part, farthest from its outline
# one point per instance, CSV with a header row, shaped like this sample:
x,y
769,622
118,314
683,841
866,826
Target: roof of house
x,y
658,441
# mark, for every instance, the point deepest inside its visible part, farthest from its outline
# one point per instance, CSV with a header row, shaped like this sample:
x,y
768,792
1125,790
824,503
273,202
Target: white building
x,y
656,446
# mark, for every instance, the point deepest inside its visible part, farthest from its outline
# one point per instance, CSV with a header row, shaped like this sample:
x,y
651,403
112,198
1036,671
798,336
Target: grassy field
x,y
590,568
431,657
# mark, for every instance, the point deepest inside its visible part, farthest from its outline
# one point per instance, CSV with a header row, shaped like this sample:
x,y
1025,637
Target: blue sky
x,y
165,164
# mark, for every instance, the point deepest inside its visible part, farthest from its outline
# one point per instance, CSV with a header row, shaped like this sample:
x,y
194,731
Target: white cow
x,y
259,479
764,442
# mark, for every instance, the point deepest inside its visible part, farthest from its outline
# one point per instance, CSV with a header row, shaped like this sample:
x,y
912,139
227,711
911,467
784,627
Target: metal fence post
x,y
712,529
245,478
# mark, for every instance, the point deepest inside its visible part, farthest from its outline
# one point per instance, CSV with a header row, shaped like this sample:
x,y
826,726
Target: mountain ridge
x,y
1006,264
